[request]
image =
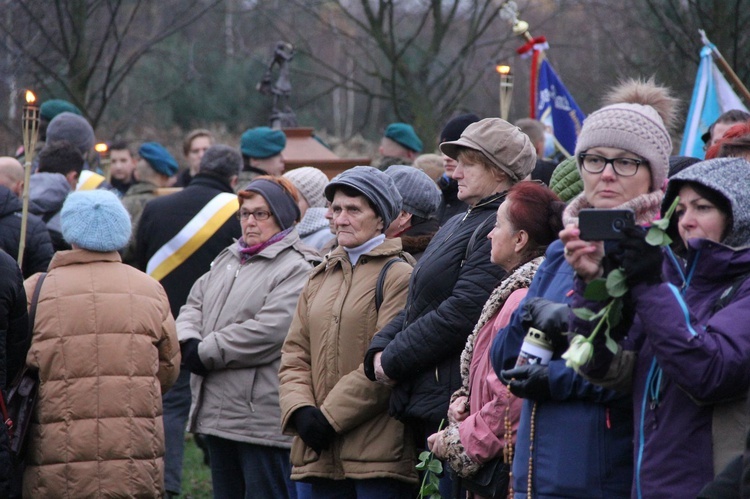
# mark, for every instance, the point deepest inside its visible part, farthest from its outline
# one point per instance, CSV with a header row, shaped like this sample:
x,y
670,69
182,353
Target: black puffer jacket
x,y
38,251
422,345
14,343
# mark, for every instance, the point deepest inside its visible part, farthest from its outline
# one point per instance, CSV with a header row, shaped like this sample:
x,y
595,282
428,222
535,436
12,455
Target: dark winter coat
x,y
164,217
39,250
450,205
582,444
422,345
47,193
14,343
417,237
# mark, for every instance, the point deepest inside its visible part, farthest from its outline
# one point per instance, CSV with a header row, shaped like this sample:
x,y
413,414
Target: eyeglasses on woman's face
x,y
624,167
258,215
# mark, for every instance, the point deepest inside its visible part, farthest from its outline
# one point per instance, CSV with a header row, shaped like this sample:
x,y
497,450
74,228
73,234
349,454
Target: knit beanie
x,y
679,163
503,144
456,126
421,196
566,181
158,158
374,185
635,124
51,108
310,182
404,134
95,220
262,142
282,205
72,128
729,177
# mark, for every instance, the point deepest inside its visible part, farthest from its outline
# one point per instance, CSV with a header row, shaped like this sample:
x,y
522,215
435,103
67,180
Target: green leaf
x,y
583,313
420,466
611,344
614,316
672,207
435,466
436,496
662,224
430,488
596,290
616,285
656,237
425,456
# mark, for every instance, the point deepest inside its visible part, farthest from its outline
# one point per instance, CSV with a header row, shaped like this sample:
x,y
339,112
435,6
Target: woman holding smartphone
x,y
575,438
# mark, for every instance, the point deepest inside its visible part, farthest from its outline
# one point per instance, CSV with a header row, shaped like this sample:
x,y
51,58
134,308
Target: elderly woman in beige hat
x,y
418,352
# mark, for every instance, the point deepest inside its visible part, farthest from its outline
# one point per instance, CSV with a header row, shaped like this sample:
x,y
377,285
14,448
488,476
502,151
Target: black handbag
x,y
17,407
491,480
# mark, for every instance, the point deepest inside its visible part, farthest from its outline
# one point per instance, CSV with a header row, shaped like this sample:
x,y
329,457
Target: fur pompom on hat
x,y
95,220
636,119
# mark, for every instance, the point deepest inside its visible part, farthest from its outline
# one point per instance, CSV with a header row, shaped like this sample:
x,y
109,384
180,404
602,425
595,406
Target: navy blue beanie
x,y
159,158
262,142
282,205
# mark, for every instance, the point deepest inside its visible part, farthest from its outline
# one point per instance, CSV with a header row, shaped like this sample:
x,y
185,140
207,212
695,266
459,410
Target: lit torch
x,y
104,159
506,88
30,123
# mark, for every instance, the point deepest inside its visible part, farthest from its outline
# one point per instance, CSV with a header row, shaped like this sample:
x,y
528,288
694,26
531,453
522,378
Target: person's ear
x,y
233,181
521,240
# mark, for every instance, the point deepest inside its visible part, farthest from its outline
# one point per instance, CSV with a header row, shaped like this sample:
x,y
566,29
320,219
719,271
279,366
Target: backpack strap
x,y
381,281
34,300
729,292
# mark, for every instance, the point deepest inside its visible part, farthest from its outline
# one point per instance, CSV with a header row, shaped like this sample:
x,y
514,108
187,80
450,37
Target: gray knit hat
x,y
310,182
505,145
73,128
95,220
730,177
420,193
375,185
632,127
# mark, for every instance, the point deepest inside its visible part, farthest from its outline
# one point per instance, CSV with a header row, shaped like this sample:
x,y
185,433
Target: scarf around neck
x,y
246,252
646,207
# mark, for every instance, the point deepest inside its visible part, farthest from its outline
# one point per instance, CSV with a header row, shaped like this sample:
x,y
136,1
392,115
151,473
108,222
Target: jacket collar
x,y
206,180
272,251
78,256
339,257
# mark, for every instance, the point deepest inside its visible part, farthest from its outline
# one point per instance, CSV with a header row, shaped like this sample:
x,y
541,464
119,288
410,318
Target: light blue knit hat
x,y
95,220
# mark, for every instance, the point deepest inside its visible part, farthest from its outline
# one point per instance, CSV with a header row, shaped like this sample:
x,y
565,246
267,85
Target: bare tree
x,y
84,50
417,57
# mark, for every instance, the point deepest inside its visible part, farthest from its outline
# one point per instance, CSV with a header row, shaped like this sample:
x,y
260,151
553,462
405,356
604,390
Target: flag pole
x,y
726,68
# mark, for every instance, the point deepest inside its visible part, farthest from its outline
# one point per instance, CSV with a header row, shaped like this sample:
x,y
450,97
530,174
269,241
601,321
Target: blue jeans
x,y
239,469
371,488
176,404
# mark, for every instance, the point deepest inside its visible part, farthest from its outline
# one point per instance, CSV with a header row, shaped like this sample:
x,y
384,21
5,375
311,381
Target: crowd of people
x,y
316,335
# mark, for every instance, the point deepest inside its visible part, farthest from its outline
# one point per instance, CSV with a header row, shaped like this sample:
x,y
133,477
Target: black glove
x,y
549,317
313,428
190,357
529,382
641,262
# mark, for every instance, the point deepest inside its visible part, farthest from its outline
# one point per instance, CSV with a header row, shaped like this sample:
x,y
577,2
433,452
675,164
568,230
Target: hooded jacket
x,y
47,193
241,313
38,251
421,346
322,366
105,346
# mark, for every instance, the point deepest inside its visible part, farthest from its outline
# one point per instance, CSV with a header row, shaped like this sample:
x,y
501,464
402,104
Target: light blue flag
x,y
712,96
556,108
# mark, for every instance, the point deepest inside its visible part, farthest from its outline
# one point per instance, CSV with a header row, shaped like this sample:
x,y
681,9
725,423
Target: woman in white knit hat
x,y
575,438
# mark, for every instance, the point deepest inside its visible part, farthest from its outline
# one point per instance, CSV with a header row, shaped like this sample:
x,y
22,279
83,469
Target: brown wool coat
x,y
106,349
321,365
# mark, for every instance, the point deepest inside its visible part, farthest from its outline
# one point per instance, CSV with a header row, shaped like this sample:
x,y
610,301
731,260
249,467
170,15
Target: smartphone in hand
x,y
604,225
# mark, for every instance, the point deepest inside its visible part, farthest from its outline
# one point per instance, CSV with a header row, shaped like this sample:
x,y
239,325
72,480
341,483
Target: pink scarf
x,y
246,252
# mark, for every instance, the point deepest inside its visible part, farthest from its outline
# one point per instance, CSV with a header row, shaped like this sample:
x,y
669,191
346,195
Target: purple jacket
x,y
686,356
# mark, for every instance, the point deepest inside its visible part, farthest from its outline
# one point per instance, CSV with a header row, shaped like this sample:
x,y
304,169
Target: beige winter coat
x,y
321,366
106,349
241,314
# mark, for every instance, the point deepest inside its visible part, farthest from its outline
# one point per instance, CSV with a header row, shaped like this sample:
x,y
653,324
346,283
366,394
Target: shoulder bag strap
x,y
381,281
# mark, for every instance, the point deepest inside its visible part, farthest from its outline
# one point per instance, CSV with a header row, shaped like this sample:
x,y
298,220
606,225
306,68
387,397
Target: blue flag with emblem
x,y
556,108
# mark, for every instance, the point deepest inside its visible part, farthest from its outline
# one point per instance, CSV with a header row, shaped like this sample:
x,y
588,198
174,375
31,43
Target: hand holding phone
x,y
604,225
